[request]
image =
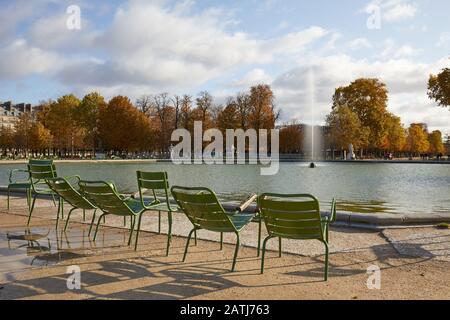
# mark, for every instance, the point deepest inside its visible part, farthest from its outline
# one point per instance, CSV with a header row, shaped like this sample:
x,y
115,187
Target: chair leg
x,y
264,253
326,261
68,218
236,250
137,231
29,197
98,224
57,215
31,210
169,233
159,222
7,199
221,241
279,247
131,229
259,236
59,208
195,238
187,243
124,221
92,222
84,215
53,198
62,208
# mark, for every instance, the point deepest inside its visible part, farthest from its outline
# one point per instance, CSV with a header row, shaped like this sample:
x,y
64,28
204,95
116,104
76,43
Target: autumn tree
x,y
345,128
60,119
436,144
185,120
291,138
177,103
228,117
262,113
202,112
163,114
367,98
243,109
447,145
86,116
6,139
395,138
40,138
22,132
417,141
144,103
439,87
124,128
43,111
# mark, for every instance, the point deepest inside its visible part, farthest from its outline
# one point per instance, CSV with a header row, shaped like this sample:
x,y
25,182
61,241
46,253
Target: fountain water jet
x,y
312,141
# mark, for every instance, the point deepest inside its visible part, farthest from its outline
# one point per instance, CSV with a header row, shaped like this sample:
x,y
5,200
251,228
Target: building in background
x,y
10,113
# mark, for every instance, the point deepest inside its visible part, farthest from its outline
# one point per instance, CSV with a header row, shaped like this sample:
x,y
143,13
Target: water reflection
x,y
41,246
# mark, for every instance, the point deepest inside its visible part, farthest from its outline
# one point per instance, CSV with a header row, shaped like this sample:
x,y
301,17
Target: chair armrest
x,y
333,211
244,205
332,217
13,171
139,192
78,178
125,197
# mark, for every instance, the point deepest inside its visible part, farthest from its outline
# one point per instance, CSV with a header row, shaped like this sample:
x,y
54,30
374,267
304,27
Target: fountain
x,y
312,141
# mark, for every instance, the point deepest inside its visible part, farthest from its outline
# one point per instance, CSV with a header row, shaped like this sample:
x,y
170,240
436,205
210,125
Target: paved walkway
x,y
414,262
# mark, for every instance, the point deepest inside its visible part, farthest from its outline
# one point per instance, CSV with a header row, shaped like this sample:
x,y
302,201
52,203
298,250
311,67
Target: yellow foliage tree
x,y
395,139
124,128
40,137
436,144
367,98
346,128
417,140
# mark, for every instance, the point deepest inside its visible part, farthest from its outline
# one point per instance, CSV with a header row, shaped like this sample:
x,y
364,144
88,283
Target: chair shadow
x,y
136,278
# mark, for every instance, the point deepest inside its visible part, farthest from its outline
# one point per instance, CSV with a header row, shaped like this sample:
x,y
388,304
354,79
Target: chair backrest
x,y
40,161
291,216
154,181
104,196
65,190
202,208
39,172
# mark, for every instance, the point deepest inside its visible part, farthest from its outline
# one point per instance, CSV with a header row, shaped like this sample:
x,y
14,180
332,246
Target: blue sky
x,y
141,47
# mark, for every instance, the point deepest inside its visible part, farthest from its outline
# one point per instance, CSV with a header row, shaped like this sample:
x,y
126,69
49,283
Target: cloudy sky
x,y
140,47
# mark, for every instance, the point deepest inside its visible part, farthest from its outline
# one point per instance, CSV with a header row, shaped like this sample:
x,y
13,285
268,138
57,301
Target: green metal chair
x,y
104,196
66,191
295,217
155,182
24,181
203,209
38,173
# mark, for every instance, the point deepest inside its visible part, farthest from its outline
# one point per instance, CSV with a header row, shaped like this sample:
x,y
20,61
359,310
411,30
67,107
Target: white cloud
x,y
444,40
19,59
360,43
163,48
393,51
393,10
400,11
251,78
52,33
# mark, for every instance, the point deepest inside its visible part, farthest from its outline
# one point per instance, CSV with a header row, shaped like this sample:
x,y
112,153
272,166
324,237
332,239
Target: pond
x,y
359,187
